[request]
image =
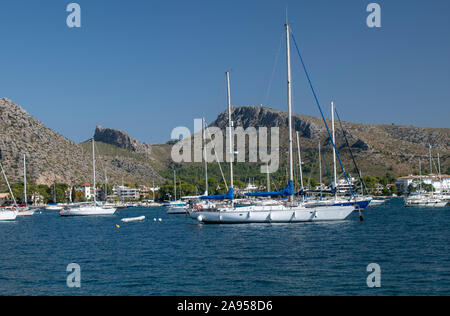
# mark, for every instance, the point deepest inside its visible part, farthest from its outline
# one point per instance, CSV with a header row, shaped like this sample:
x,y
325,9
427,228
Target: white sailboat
x,y
25,210
8,213
176,207
289,212
89,210
424,200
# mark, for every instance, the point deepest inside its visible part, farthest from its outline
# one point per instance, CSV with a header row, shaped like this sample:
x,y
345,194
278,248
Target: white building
x,y
343,187
440,184
88,192
125,193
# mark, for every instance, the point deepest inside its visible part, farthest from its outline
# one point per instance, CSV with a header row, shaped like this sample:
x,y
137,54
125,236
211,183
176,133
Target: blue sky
x,y
149,66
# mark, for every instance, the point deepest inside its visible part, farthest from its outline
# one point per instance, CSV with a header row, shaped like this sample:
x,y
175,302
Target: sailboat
x,y
289,212
7,213
25,210
89,210
175,207
360,202
424,200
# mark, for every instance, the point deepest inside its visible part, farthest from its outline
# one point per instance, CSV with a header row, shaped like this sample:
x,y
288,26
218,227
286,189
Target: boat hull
x,y
440,204
26,213
6,216
276,214
88,211
177,211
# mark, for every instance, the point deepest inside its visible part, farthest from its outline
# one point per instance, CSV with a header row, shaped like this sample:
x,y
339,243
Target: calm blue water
x,y
180,257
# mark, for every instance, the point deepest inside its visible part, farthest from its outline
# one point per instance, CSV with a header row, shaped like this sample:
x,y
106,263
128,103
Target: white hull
x,y
274,214
7,216
133,219
427,204
88,211
26,213
377,202
54,208
179,210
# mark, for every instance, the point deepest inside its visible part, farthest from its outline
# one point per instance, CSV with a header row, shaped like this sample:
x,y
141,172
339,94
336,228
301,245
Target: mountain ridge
x,y
52,157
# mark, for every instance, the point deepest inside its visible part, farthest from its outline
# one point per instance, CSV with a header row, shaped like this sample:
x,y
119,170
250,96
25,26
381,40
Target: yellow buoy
x,y
117,226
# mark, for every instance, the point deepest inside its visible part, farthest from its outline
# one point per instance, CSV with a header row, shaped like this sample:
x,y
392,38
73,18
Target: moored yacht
x,y
290,211
89,210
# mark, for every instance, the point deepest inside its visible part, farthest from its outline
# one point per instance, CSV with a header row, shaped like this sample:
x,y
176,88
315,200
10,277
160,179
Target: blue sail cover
x,y
288,191
228,196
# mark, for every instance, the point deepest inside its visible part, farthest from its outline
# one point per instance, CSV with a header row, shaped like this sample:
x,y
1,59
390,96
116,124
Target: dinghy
x,y
133,219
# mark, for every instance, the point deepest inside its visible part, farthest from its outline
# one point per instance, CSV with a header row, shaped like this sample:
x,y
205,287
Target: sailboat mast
x,y
268,179
25,180
289,95
431,160
300,161
205,157
420,174
175,184
334,148
106,187
439,166
93,167
320,170
230,132
9,187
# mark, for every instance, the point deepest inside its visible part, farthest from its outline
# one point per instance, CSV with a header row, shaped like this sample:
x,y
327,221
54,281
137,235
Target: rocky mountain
x,y
52,157
122,140
379,148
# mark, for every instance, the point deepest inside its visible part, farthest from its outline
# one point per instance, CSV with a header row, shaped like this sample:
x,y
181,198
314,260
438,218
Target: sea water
x,y
179,256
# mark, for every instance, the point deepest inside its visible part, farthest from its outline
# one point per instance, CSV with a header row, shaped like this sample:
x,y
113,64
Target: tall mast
x,y
300,161
175,184
268,179
25,180
334,149
431,160
439,166
289,86
93,166
153,190
205,157
7,182
320,170
106,187
230,133
420,174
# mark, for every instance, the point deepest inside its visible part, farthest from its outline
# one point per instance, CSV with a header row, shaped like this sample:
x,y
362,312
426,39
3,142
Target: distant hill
x,y
52,157
379,149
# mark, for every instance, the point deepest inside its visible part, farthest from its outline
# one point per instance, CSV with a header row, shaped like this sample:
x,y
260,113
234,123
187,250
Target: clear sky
x,y
149,66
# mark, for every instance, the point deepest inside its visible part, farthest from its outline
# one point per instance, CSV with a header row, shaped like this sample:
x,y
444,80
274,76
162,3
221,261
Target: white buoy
x,y
160,219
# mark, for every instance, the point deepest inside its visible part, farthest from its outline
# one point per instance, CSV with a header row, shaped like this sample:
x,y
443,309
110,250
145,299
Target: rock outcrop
x,y
122,140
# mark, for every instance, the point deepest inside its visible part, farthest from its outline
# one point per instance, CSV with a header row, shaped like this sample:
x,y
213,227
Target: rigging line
x,y
277,57
217,158
101,162
326,166
350,149
321,112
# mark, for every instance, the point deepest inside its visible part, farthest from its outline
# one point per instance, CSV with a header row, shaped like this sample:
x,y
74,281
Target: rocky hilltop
x,y
379,148
122,140
52,157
